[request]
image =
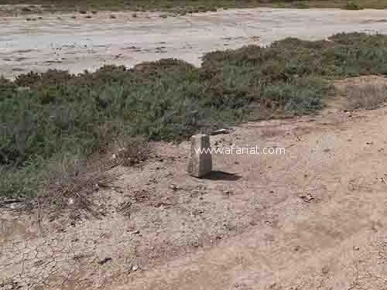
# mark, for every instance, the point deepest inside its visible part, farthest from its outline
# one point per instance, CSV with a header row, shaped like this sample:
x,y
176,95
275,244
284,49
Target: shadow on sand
x,y
221,175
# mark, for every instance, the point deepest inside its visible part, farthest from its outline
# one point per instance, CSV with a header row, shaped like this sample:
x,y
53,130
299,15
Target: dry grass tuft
x,y
73,183
368,96
132,151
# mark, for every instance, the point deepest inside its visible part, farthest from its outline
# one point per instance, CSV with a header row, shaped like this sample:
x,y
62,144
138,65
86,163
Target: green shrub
x,y
181,7
46,115
352,6
24,182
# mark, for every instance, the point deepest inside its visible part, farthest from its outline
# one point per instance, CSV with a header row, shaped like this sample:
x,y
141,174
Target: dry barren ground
x,y
40,42
313,218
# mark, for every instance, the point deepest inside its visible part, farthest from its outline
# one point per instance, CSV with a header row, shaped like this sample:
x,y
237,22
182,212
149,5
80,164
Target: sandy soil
x,y
313,218
61,42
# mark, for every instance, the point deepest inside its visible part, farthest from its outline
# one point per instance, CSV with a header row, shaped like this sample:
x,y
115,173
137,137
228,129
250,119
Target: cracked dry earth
x,y
314,218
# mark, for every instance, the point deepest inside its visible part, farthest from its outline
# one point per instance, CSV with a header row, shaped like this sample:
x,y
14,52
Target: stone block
x,y
200,160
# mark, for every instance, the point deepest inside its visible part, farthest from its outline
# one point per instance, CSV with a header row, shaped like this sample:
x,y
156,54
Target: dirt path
x,y
61,42
337,240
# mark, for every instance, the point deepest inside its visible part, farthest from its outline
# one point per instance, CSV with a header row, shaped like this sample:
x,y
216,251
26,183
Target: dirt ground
x,y
58,41
313,218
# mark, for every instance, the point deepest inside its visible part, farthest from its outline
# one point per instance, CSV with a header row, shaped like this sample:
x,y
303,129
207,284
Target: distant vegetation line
x,y
189,6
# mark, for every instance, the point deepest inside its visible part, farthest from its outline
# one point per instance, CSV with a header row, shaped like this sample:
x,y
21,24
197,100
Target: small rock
x,y
197,212
220,131
195,244
105,260
135,268
174,187
306,197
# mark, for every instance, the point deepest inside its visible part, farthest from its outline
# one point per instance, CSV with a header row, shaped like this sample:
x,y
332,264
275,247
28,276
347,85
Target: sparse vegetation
x,y
190,6
350,5
131,151
47,118
368,96
71,181
301,5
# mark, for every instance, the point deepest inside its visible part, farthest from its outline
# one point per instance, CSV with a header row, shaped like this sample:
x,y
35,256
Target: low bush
x,y
368,96
352,6
46,117
182,7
